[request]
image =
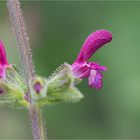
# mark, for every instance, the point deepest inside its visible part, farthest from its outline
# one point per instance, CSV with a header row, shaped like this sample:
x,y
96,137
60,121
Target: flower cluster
x,y
81,68
60,87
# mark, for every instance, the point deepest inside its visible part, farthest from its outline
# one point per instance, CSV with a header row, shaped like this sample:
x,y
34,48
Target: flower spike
x,y
82,68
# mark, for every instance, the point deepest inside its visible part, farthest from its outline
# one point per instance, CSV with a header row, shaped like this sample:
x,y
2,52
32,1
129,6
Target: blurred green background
x,y
57,30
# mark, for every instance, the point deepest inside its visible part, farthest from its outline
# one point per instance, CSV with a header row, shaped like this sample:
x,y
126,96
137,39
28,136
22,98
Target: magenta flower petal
x,y
96,66
95,41
95,79
3,58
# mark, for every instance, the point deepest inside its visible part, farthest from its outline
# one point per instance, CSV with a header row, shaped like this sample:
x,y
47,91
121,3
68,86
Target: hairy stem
x,y
22,38
37,123
23,45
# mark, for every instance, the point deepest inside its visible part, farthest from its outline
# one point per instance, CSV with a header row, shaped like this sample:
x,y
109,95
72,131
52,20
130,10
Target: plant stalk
x,y
37,123
23,46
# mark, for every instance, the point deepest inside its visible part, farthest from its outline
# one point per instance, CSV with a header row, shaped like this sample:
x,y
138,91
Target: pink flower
x,y
82,68
3,60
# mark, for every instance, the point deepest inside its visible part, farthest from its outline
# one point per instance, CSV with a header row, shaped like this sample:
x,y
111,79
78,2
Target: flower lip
x,y
96,66
94,41
95,79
